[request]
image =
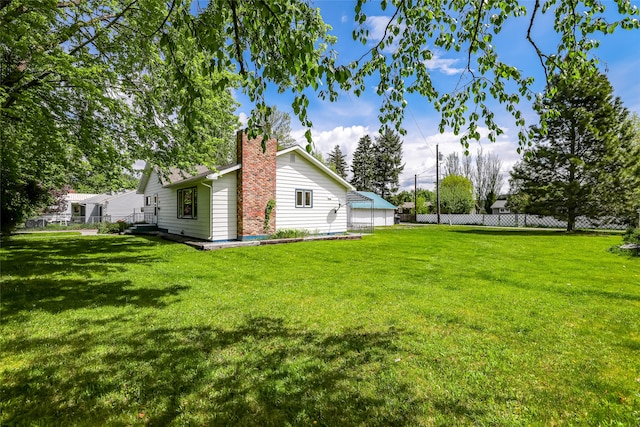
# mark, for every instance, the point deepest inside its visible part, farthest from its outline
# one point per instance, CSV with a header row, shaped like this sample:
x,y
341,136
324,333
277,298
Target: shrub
x,y
632,235
109,228
289,234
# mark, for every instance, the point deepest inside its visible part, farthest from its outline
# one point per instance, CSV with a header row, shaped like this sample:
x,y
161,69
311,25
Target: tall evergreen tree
x,y
583,164
337,162
363,165
388,163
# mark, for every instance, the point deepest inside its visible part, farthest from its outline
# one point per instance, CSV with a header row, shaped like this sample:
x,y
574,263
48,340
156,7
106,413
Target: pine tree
x,y
363,165
337,162
581,165
388,163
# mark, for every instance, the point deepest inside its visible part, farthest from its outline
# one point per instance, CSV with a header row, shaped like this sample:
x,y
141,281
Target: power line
x,y
408,107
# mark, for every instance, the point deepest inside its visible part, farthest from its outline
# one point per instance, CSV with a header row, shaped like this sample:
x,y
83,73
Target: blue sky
x,y
344,122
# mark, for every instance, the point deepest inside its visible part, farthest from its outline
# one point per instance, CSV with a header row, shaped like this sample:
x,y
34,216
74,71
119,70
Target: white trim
x,y
304,192
225,171
144,179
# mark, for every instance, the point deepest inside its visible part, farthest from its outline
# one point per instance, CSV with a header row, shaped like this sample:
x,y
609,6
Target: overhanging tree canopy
x,y
107,82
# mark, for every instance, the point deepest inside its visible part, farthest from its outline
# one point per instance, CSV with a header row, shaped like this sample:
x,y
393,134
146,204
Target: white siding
x,y
122,205
295,172
225,207
381,217
74,199
168,209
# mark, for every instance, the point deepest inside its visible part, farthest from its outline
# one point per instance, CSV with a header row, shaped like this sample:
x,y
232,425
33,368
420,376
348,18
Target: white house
x,y
74,211
112,207
377,211
500,207
265,191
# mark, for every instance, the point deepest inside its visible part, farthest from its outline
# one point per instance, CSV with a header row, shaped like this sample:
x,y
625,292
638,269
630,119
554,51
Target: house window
x,y
304,198
147,201
187,203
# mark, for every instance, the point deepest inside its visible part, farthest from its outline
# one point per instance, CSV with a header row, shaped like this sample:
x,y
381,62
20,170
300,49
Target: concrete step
x,y
142,229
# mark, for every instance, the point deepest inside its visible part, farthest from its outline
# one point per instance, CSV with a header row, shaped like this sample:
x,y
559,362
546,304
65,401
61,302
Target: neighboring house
x,y
236,201
406,207
75,208
74,211
377,211
112,207
500,207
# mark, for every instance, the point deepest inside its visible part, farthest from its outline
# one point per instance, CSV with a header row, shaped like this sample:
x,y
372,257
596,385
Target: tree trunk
x,y
571,220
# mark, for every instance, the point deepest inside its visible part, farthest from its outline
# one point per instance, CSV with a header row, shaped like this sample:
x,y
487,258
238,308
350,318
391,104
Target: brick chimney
x,y
256,186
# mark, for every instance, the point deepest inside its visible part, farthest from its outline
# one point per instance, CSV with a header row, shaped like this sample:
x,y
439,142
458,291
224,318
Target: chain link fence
x,y
517,220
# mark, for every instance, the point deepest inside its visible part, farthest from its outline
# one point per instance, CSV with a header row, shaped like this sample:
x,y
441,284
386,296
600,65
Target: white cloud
x,y
324,140
377,26
344,19
243,118
419,155
443,65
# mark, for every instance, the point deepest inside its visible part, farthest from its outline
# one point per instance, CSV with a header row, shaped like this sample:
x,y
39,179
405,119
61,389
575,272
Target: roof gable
x,y
499,204
102,198
378,202
315,162
178,176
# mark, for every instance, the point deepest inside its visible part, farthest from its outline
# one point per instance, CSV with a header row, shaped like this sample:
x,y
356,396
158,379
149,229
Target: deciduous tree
x,y
94,86
278,124
487,179
456,195
115,81
452,165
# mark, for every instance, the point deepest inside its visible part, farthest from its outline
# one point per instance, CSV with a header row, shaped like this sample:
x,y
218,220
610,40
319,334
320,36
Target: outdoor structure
x,y
75,206
122,206
265,191
74,211
376,211
406,207
500,207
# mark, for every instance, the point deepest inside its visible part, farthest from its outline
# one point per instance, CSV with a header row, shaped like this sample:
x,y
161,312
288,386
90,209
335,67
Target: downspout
x,y
210,187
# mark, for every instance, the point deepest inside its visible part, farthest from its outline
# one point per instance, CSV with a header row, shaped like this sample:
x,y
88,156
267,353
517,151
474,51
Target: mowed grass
x,y
410,326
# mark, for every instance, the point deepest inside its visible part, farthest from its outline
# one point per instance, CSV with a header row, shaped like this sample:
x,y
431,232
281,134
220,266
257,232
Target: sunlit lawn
x,y
420,326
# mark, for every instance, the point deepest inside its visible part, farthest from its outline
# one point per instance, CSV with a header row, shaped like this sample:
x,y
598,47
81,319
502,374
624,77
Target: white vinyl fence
x,y
516,220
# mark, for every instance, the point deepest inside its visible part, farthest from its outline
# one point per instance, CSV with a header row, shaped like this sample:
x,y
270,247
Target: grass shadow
x,y
521,232
55,296
262,372
60,255
67,273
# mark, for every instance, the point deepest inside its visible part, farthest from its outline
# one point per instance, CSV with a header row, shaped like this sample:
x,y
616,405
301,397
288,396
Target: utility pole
x,y
438,182
415,197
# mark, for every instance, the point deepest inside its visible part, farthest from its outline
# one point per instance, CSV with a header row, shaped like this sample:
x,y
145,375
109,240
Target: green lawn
x,y
410,326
